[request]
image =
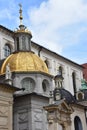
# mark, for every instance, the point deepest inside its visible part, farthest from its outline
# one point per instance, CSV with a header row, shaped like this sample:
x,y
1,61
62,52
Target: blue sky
x,y
59,25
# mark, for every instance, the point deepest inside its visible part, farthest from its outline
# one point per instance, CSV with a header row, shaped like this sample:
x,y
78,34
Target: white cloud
x,y
55,24
8,12
53,15
59,12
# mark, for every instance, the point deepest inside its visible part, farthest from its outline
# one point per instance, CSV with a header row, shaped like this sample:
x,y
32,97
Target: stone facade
x,y
6,107
79,113
29,113
35,86
6,38
66,117
59,115
53,61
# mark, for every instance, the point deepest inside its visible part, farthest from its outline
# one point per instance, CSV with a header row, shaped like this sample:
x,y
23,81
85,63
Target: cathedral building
x,y
40,89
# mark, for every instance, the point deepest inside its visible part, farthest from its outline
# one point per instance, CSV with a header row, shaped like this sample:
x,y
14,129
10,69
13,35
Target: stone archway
x,y
58,115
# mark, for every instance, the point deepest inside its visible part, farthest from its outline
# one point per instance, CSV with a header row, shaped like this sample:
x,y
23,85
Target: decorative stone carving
x,y
3,111
38,119
38,116
23,116
23,119
8,72
59,114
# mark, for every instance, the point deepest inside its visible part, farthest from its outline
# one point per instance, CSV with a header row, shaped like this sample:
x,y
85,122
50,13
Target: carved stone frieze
x,y
23,119
59,114
38,116
4,111
23,116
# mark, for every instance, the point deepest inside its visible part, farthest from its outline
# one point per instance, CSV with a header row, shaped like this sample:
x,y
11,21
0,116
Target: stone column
x,y
52,125
66,125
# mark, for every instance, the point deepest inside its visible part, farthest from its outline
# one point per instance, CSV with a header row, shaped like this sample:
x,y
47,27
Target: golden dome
x,y
24,62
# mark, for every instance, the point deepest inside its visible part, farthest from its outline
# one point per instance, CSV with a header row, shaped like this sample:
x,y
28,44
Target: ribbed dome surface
x,y
24,61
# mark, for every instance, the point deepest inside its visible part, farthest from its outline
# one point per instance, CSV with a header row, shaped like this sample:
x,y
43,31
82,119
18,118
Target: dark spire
x,y
20,11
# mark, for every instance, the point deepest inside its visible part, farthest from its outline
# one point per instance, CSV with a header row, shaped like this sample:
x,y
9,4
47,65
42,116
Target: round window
x,y
28,84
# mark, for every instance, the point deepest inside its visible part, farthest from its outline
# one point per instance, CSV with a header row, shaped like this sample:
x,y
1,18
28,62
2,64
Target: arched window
x,y
77,123
74,81
44,86
28,84
60,71
46,62
7,50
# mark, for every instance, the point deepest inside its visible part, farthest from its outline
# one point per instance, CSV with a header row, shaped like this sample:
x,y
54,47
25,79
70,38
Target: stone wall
x,y
6,107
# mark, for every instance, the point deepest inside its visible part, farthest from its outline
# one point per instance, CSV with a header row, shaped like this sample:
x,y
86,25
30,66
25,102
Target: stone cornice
x,y
54,107
8,88
6,31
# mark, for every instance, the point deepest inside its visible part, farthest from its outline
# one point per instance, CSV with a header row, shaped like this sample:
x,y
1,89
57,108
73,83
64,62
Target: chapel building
x,y
44,88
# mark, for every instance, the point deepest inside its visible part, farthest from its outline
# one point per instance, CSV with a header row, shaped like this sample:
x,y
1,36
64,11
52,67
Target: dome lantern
x,y
22,37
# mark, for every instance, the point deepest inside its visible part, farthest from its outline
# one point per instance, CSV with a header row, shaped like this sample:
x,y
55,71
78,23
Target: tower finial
x,y
20,11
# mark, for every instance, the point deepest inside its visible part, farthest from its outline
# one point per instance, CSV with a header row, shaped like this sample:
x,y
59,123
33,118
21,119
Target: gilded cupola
x,y
23,59
24,62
